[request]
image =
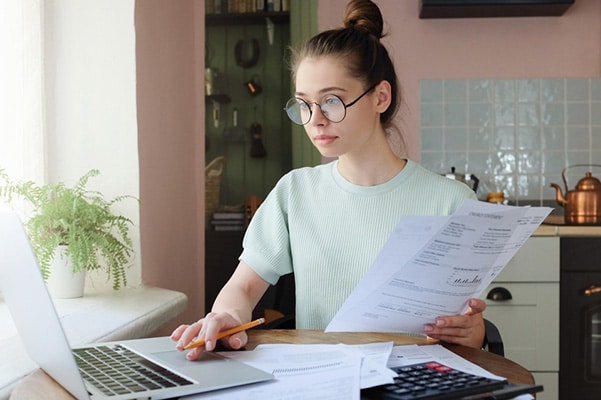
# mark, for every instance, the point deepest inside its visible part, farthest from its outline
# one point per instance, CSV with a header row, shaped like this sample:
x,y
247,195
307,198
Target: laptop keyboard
x,y
115,370
432,381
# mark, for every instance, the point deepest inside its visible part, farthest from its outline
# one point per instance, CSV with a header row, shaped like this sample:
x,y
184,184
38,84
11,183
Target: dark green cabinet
x,y
258,149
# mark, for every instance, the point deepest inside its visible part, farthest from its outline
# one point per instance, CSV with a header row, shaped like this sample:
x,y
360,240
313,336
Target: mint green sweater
x,y
328,231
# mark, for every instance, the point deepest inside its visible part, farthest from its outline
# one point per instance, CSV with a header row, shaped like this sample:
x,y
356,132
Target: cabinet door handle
x,y
592,290
499,294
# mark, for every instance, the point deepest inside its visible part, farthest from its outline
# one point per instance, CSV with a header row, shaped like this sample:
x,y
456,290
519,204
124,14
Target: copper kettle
x,y
583,204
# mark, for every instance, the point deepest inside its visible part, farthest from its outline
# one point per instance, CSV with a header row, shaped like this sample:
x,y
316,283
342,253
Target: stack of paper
x,y
432,266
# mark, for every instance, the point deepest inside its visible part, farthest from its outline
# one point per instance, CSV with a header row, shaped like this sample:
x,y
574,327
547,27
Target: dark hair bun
x,y
364,15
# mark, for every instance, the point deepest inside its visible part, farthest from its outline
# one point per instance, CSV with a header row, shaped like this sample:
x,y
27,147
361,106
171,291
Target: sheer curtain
x,y
22,147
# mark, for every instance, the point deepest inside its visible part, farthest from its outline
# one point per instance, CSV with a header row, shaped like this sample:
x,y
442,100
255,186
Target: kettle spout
x,y
559,196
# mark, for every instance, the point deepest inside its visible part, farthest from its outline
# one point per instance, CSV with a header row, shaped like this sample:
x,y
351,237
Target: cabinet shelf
x,y
219,98
281,17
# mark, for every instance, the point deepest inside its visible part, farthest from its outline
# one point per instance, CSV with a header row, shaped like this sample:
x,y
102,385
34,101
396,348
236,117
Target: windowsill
x,y
101,315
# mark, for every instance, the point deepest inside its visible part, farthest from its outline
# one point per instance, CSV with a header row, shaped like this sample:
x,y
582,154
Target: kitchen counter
x,y
554,226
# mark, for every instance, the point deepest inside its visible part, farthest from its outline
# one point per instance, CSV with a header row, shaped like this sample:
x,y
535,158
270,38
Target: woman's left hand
x,y
466,329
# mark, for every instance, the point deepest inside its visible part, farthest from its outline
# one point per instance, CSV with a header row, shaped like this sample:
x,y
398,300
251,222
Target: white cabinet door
x,y
536,261
528,323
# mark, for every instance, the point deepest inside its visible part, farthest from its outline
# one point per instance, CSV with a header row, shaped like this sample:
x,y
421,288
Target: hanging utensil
x,y
241,52
254,86
234,133
216,113
257,150
270,30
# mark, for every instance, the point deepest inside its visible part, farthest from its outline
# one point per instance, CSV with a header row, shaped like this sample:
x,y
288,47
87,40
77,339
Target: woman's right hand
x,y
208,328
232,307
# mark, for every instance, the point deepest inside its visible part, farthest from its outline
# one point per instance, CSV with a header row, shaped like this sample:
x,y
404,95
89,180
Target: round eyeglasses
x,y
332,107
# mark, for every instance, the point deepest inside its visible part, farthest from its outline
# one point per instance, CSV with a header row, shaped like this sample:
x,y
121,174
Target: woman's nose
x,y
317,115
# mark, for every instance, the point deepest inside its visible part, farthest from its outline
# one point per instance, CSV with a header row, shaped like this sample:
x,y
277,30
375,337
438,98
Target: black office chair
x,y
284,304
492,339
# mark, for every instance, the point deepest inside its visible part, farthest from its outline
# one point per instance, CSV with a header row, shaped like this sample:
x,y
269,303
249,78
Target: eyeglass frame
x,y
310,105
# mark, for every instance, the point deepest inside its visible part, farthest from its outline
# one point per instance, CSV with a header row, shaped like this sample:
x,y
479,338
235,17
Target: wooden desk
x,y
39,385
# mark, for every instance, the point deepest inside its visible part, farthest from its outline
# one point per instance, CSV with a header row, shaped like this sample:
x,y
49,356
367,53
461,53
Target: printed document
x,y
373,364
302,372
432,266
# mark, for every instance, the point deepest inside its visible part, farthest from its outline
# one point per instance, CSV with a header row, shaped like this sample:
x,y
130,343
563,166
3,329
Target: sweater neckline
x,y
349,187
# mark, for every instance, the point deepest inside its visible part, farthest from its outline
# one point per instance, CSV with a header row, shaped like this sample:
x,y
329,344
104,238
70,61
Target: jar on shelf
x,y
495,197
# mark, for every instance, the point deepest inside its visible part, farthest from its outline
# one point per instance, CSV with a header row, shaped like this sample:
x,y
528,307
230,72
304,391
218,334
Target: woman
x,y
326,224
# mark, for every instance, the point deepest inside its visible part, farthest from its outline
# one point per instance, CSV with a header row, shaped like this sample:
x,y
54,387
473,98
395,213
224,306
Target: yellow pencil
x,y
227,332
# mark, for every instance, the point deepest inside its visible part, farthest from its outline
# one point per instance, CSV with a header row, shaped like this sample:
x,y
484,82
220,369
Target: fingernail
x,y
237,343
209,345
428,328
440,322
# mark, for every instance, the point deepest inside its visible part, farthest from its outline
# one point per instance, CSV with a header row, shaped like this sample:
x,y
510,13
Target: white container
x,y
62,283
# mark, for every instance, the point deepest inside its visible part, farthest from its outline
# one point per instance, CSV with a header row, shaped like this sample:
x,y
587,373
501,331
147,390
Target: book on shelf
x,y
222,228
227,222
228,215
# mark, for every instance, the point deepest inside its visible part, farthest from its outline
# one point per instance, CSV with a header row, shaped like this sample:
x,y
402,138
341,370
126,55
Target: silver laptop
x,y
150,368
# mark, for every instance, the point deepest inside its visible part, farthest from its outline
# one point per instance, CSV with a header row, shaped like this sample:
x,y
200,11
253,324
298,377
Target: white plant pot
x,y
62,283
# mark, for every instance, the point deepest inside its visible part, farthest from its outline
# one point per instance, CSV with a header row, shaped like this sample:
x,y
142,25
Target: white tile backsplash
x,y
515,135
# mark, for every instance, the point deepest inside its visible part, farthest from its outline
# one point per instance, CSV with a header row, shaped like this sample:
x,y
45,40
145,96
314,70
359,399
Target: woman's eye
x,y
331,101
303,106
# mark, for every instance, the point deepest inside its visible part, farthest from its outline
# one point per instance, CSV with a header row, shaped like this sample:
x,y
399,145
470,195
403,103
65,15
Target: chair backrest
x,y
284,302
493,341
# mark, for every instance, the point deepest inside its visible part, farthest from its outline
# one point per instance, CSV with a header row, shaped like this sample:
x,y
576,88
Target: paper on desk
x,y
326,372
432,266
373,366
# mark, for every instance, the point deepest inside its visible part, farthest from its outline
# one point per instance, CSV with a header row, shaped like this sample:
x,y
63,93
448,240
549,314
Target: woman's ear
x,y
384,96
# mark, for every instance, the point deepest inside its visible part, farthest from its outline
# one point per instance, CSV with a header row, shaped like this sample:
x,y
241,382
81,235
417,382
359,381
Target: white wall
x,y
91,101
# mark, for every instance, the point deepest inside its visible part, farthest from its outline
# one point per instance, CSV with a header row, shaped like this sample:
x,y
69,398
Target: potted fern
x,y
75,224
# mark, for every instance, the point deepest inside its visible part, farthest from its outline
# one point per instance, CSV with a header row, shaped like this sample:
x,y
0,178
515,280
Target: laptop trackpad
x,y
212,369
178,359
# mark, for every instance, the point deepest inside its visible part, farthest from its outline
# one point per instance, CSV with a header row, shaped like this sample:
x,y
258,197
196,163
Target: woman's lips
x,y
324,139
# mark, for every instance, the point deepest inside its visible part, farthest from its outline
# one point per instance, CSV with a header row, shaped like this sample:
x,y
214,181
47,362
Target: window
x,y
21,86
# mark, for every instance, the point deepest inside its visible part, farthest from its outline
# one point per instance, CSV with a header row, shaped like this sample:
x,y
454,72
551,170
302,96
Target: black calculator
x,y
435,381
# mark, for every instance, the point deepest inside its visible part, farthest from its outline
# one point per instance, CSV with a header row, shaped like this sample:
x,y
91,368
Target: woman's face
x,y
318,77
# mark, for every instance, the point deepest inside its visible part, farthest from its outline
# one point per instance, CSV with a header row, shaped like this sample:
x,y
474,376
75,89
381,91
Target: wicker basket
x,y
213,173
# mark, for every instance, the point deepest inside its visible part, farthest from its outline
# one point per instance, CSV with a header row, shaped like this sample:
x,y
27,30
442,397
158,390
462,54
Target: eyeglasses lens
x,y
299,111
333,108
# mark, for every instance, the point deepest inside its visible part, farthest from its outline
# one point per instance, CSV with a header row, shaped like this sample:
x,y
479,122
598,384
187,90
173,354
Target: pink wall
x,y
566,46
171,147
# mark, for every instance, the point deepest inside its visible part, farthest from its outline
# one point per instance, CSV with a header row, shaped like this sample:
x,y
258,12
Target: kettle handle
x,y
563,176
